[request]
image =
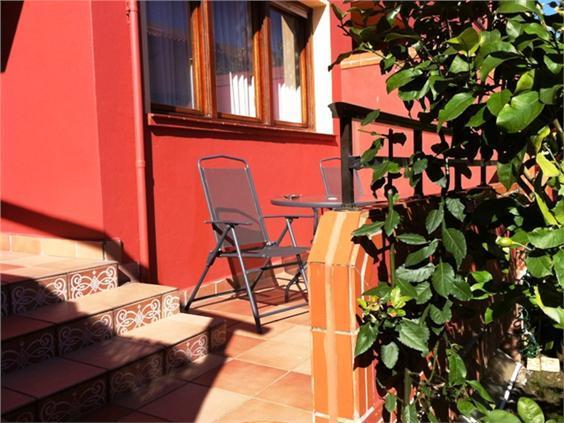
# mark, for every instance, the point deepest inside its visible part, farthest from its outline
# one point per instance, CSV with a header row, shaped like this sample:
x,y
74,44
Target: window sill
x,y
237,129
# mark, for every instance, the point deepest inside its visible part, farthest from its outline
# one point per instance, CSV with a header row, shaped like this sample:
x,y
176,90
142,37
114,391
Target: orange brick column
x,y
339,271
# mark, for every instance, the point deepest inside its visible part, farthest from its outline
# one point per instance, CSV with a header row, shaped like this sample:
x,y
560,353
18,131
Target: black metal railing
x,y
347,113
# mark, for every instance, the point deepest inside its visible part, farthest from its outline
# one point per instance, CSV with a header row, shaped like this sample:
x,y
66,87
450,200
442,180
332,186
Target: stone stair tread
x,y
113,353
15,325
38,267
49,377
173,330
100,302
12,400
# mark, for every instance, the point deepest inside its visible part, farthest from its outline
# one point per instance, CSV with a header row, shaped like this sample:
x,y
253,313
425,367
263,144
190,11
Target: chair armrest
x,y
287,216
227,222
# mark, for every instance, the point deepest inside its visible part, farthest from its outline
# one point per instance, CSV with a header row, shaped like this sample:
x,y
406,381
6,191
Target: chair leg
x,y
248,288
209,262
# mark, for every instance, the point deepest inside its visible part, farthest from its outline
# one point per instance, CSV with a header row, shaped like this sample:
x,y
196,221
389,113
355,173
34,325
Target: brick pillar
x,y
339,271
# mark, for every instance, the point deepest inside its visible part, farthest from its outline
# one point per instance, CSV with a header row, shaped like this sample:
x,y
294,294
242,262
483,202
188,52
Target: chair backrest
x,y
231,196
331,175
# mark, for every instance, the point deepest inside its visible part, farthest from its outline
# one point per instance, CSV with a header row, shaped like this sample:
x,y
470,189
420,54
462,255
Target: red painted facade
x,y
67,141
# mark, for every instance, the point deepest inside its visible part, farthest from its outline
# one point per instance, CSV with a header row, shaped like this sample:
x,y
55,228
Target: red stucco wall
x,y
50,162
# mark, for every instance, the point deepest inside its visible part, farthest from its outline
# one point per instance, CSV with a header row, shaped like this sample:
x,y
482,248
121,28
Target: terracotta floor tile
x,y
298,335
200,366
300,319
33,260
6,256
195,403
237,344
256,410
155,389
281,355
270,329
108,413
242,377
136,416
294,390
304,368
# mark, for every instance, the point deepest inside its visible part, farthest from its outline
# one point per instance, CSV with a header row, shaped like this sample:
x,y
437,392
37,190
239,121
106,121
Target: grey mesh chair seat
x,y
239,228
331,176
271,252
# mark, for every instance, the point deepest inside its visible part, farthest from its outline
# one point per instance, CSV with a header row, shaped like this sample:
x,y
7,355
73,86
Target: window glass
x,y
233,52
286,45
170,53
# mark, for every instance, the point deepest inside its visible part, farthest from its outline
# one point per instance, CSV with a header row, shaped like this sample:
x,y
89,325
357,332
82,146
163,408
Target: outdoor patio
x,y
256,377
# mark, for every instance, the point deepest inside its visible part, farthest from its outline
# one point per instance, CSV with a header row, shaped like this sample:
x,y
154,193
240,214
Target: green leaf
x,y
391,17
555,313
516,6
500,416
421,254
456,208
456,369
505,174
383,168
466,41
514,28
525,82
537,29
409,414
424,293
390,402
529,411
459,65
549,95
370,117
478,119
419,166
389,354
366,338
440,317
406,288
434,219
460,289
412,239
479,388
415,275
443,279
466,407
489,64
558,211
548,168
482,276
546,213
381,291
539,267
391,222
558,262
454,243
552,66
414,335
455,106
497,100
520,112
368,229
546,238
338,12
401,78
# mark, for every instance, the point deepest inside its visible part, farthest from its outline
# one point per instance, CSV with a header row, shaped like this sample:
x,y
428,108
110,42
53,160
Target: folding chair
x,y
331,175
238,226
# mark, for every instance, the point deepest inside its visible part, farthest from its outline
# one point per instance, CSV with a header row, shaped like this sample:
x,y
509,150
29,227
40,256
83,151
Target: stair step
x,y
17,407
34,281
78,323
62,389
84,380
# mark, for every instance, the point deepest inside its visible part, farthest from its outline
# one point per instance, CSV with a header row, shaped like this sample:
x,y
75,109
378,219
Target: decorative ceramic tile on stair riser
x,y
171,304
92,281
29,295
218,336
184,353
136,374
23,351
136,315
84,332
74,402
24,414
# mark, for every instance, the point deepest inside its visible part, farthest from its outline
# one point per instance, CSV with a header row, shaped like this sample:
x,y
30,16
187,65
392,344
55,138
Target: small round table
x,y
317,202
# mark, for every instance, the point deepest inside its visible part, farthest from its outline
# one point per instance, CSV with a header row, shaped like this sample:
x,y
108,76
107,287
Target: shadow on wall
x,y
10,12
65,229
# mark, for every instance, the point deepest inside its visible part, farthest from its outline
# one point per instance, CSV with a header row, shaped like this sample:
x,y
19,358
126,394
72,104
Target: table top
x,y
320,201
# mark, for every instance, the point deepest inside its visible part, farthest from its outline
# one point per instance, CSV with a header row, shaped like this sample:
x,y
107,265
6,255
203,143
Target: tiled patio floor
x,y
256,377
